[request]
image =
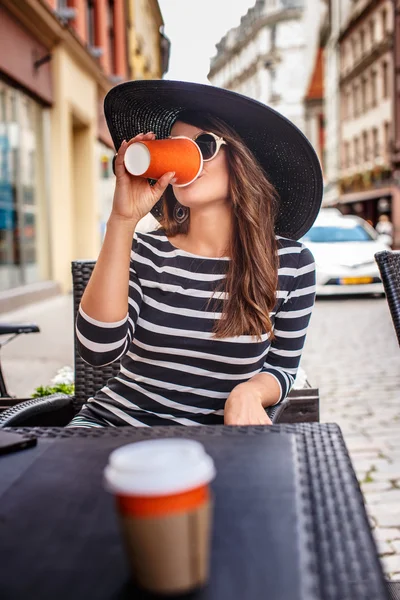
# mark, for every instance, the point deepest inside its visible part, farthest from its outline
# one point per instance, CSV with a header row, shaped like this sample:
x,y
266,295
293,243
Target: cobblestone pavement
x,y
352,355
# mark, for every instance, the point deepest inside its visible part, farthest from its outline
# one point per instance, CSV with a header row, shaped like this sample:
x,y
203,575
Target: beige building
x,y
52,85
337,13
74,231
366,110
271,54
314,109
148,48
58,59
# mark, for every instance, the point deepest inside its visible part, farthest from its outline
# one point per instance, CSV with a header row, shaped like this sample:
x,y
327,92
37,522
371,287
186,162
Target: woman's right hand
x,y
134,197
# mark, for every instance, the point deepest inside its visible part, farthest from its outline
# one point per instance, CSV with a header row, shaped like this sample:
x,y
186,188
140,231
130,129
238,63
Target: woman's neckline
x,y
186,253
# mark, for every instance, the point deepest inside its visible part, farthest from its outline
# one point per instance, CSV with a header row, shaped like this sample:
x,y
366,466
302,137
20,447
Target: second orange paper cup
x,y
154,158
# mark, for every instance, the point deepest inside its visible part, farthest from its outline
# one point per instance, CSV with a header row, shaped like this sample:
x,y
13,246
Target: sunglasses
x,y
209,144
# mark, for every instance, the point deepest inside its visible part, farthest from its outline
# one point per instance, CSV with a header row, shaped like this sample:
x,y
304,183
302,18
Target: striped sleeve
x,y
291,323
101,343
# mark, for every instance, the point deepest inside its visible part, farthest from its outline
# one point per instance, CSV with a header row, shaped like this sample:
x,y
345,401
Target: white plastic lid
x,y
137,158
158,467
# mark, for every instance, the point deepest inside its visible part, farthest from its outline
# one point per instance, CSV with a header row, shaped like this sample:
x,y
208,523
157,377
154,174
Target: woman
x,y
209,313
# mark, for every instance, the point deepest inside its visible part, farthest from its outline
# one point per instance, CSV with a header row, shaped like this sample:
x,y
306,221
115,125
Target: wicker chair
x,y
389,267
300,405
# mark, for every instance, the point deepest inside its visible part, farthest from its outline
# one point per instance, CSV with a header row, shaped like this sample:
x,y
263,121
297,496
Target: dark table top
x,y
290,521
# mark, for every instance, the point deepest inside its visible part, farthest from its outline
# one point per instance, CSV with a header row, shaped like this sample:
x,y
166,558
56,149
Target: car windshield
x,y
331,233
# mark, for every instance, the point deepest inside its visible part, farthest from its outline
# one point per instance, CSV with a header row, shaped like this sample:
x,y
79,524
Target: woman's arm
x,y
106,295
247,401
111,302
104,338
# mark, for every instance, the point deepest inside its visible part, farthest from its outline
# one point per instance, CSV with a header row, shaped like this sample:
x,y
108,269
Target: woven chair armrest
x,y
389,266
40,410
275,412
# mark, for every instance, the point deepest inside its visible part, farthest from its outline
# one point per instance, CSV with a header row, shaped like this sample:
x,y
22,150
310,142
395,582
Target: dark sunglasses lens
x,y
207,145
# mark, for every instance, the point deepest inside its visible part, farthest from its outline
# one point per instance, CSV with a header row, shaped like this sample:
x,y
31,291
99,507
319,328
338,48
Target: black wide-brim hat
x,y
283,151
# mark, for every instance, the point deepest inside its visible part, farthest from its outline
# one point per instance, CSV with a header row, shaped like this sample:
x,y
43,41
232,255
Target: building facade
x,y
58,59
314,109
366,112
337,11
270,56
148,48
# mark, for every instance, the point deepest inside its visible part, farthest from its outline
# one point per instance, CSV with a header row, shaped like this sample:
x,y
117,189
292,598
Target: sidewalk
x,y
33,359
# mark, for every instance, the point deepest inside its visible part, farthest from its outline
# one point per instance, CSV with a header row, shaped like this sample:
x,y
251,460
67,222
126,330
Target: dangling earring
x,y
181,213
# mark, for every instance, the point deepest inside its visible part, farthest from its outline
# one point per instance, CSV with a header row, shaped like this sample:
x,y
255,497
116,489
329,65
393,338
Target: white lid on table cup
x,y
158,468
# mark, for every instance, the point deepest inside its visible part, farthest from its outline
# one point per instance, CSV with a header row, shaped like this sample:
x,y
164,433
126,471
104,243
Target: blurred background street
x,y
330,66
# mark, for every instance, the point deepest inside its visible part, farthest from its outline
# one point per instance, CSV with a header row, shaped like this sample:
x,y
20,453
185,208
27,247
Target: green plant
x,y
59,388
62,383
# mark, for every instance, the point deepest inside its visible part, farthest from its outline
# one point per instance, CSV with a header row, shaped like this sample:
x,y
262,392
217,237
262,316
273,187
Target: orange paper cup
x,y
154,158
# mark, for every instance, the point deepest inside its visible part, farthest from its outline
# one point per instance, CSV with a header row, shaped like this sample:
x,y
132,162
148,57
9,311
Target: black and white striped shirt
x,y
172,369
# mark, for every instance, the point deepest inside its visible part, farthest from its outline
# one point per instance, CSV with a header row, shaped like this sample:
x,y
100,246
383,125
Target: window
x,y
342,59
2,106
4,149
346,57
374,91
362,42
26,117
372,32
360,99
90,22
385,79
273,36
348,104
365,146
31,173
21,175
364,85
343,107
14,165
356,151
375,142
13,102
386,138
346,155
384,21
355,100
354,49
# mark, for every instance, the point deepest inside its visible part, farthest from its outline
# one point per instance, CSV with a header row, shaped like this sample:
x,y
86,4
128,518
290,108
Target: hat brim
x,y
286,155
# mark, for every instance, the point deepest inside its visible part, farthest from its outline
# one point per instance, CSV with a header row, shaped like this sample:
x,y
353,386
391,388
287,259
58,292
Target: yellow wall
x,y
144,39
74,218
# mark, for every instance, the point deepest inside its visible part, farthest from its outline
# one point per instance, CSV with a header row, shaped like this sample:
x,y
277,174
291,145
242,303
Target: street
x,y
351,354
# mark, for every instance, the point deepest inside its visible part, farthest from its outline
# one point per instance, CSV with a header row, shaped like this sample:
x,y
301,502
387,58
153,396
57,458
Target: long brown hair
x,y
251,280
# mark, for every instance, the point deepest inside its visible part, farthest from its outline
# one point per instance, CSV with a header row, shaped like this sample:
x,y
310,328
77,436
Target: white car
x,y
344,248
